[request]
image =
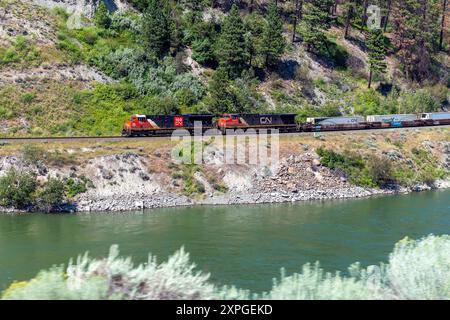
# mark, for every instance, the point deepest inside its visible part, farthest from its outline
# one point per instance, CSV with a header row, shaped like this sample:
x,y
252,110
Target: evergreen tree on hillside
x,y
219,88
349,9
195,5
101,16
415,36
443,24
231,49
274,42
316,20
156,29
377,53
255,25
141,5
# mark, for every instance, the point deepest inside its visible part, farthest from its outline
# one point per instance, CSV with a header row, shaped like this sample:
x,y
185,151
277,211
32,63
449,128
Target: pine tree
x,y
101,16
297,16
377,53
274,42
219,88
316,20
156,29
349,9
416,35
231,47
388,14
441,35
255,25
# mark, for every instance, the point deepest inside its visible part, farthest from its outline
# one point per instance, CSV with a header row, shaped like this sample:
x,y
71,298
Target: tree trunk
x,y
370,78
295,20
348,20
364,17
334,8
300,10
441,39
386,20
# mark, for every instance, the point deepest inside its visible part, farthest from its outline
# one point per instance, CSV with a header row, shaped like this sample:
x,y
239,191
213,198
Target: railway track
x,y
165,136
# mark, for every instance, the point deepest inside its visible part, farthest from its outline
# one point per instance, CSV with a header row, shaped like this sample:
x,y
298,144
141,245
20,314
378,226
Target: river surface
x,y
241,245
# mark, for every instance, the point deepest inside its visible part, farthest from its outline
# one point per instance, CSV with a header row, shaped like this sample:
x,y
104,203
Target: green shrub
x,y
17,189
367,103
416,270
101,16
50,195
88,35
191,185
428,170
337,54
32,154
331,159
74,187
21,51
419,101
381,171
353,165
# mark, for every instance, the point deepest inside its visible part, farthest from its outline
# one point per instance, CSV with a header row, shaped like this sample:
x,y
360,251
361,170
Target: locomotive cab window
x,y
142,119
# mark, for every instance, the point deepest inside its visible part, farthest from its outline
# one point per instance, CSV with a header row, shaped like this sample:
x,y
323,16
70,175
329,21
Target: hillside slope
x,y
61,73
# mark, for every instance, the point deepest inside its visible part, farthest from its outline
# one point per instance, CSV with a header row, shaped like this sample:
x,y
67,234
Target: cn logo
x,y
178,121
266,120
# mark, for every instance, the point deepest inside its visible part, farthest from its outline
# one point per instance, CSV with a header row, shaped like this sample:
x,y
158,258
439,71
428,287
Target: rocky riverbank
x,y
127,176
165,200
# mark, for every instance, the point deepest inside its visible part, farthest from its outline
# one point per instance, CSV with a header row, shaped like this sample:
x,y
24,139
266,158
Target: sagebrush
x,y
417,269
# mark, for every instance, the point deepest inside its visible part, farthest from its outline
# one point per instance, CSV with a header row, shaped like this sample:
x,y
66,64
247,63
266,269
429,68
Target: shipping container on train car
x,y
258,121
336,121
436,116
186,121
391,118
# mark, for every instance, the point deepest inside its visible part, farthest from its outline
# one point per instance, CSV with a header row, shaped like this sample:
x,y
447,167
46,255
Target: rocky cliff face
x,y
86,7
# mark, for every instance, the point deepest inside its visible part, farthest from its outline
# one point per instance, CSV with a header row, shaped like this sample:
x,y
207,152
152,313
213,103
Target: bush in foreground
x,y
416,270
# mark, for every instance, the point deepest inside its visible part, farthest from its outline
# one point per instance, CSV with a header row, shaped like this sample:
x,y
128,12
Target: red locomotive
x,y
143,125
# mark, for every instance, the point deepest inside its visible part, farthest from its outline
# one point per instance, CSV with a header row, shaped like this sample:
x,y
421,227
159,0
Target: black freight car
x,y
185,121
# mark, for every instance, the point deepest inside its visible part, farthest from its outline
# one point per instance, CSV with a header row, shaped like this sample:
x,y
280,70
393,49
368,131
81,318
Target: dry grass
x,y
383,140
85,149
158,149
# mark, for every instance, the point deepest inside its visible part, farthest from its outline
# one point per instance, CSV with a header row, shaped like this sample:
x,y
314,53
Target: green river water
x,y
241,245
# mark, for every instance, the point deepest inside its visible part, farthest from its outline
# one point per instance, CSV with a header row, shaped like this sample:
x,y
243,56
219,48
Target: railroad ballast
x,y
145,125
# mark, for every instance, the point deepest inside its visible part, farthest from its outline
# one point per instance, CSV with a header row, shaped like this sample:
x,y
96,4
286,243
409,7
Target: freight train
x,y
147,125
